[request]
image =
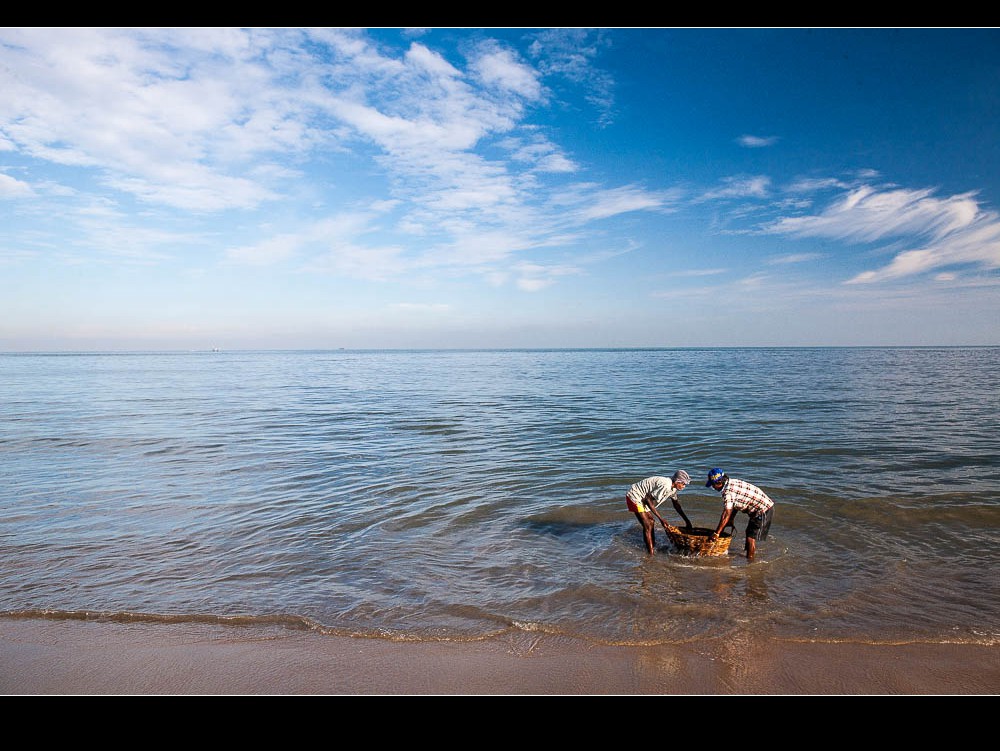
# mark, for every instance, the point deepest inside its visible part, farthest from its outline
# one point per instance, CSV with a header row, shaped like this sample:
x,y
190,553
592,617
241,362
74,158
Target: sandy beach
x,y
56,657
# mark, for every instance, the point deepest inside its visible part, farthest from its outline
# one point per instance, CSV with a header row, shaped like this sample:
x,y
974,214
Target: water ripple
x,y
435,494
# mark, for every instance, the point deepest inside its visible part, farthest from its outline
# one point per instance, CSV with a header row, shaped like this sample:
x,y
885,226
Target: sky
x,y
318,188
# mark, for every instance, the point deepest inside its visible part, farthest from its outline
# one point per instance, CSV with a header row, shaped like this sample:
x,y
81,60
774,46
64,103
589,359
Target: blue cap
x,y
714,475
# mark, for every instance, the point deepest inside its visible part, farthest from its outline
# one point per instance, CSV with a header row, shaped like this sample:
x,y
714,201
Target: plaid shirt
x,y
742,496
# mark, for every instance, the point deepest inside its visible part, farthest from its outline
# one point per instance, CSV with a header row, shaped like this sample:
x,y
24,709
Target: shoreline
x,y
57,657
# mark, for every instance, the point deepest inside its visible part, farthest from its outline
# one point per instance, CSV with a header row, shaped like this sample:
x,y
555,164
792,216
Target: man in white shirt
x,y
644,496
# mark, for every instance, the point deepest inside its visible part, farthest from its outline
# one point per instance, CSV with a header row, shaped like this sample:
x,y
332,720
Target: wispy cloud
x,y
498,68
369,262
794,258
604,203
757,186
699,272
532,277
210,120
170,116
570,53
756,142
976,245
444,161
334,245
540,152
867,215
952,230
813,184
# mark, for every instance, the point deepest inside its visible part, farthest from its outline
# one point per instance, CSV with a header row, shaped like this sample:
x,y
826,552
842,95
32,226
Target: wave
x,y
300,623
278,620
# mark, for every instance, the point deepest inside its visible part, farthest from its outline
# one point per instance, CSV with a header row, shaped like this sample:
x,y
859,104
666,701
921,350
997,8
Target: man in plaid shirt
x,y
740,495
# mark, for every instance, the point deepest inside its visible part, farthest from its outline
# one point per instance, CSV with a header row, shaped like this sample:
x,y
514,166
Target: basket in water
x,y
697,542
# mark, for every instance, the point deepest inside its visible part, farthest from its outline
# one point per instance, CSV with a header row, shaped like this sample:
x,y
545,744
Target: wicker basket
x,y
697,542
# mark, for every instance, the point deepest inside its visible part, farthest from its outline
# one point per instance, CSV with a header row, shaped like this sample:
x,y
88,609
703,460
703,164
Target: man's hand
x,y
714,536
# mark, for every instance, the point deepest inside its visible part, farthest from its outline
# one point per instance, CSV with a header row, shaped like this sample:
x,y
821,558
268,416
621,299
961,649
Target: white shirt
x,y
660,488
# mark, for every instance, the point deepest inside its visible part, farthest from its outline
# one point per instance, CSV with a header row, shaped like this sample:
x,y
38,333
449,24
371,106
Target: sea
x,y
419,495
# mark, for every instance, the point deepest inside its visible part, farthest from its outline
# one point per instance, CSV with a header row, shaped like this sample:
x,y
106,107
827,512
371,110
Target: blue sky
x,y
285,188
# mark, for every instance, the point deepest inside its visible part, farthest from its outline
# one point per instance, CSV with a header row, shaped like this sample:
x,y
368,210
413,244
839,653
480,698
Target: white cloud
x,y
756,142
794,258
699,272
540,152
427,119
153,109
739,187
533,284
811,184
556,163
753,282
500,68
198,189
431,62
954,230
341,231
868,215
532,277
587,202
570,53
225,119
976,246
607,203
13,188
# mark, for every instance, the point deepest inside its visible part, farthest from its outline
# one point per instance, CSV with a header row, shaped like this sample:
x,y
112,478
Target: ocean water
x,y
445,494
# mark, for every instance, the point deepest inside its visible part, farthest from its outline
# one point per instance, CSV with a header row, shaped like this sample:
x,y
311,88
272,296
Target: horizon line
x,y
607,348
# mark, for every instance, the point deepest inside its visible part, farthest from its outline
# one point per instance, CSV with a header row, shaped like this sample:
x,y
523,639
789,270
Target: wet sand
x,y
54,657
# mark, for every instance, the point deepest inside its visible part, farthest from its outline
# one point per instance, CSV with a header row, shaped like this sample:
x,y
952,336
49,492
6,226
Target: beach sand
x,y
74,657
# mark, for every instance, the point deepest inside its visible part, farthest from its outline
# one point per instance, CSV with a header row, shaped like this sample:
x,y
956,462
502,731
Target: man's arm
x,y
726,514
648,500
679,510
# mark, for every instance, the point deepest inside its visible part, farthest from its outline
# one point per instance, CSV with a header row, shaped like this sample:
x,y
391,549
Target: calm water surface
x,y
460,494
